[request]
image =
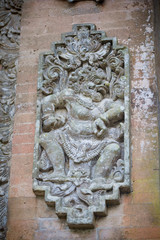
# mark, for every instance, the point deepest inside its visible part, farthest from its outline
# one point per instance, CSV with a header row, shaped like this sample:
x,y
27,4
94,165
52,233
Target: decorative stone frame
x,y
40,187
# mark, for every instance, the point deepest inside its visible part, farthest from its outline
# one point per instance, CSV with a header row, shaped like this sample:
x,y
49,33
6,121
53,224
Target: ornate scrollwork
x,y
3,216
81,148
9,43
10,16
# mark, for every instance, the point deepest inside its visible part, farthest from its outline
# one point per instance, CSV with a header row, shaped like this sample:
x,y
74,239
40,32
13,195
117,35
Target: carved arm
x,y
49,105
113,115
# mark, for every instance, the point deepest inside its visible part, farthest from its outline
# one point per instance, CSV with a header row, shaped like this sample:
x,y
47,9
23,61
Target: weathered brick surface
x,y
44,211
22,229
61,234
136,233
138,215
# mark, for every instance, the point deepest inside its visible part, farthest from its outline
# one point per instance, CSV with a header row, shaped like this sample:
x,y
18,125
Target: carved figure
x,y
85,134
80,152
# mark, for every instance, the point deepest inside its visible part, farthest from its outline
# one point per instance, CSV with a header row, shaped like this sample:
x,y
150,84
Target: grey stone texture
x,y
82,141
10,16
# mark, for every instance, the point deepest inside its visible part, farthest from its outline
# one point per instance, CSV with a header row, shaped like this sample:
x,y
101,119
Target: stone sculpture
x,y
10,16
82,133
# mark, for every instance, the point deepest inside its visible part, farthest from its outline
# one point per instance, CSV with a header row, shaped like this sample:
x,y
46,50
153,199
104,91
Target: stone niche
x,y
82,140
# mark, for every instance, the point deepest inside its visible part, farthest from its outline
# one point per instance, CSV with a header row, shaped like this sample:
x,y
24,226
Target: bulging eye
x,y
97,81
106,83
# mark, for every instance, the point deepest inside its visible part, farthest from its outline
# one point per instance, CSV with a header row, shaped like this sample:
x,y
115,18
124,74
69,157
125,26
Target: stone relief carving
x,y
10,15
82,152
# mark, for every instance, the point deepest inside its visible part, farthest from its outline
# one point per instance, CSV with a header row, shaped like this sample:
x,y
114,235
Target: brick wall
x,y
138,215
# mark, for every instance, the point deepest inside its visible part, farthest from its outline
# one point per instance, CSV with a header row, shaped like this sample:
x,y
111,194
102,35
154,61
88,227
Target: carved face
x,y
90,82
96,89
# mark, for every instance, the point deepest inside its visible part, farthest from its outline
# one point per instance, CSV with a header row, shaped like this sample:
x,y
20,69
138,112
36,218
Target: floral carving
x,y
82,132
9,43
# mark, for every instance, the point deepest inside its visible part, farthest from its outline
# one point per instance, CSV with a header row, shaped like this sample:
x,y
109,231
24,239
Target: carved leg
x,y
54,152
105,163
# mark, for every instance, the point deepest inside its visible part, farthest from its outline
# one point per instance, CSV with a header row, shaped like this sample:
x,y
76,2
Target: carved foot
x,y
48,123
100,184
58,177
53,123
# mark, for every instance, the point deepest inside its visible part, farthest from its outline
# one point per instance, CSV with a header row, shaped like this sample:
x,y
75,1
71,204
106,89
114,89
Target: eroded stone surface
x,y
10,15
82,143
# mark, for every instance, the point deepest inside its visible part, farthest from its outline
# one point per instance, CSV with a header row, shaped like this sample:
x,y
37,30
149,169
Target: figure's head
x,y
90,82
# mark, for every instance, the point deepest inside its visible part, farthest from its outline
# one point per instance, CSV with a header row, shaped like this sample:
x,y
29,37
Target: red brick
x,y
50,224
36,4
22,177
95,18
25,118
145,197
65,235
22,202
35,14
110,234
143,172
23,208
129,233
58,29
24,128
23,189
43,210
138,220
57,6
25,138
21,230
114,217
28,58
26,98
42,27
122,5
27,75
22,148
77,9
146,185
28,88
133,209
21,168
127,199
142,233
21,160
25,107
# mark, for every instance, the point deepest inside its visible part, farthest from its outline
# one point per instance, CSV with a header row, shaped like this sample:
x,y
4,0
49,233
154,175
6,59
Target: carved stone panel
x,y
82,142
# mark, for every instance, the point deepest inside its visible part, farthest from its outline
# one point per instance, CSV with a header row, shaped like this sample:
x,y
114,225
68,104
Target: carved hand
x,y
53,122
99,127
113,115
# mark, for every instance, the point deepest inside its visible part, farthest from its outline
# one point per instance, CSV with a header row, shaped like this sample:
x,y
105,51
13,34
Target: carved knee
x,y
113,150
45,139
106,161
